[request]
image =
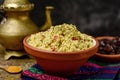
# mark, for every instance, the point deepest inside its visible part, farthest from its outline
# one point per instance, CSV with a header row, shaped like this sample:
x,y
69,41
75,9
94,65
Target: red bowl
x,y
60,63
107,57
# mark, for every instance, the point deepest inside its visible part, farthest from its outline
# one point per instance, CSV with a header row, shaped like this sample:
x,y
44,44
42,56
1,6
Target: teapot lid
x,y
17,5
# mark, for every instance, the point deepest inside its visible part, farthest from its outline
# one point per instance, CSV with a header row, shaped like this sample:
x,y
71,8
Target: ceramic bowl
x,y
60,63
107,57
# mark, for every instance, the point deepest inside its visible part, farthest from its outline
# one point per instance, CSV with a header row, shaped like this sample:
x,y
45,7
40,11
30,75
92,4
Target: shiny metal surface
x,y
17,5
17,25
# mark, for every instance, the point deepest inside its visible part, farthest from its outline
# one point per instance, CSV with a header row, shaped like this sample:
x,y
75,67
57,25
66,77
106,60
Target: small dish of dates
x,y
109,48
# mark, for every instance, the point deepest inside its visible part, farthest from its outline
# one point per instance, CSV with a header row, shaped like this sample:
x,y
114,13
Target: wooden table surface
x,y
25,62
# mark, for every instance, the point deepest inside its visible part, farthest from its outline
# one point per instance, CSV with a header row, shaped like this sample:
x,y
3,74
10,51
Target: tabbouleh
x,y
61,38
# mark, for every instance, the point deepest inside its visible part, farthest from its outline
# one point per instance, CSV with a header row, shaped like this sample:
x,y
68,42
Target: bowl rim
x,y
96,44
106,55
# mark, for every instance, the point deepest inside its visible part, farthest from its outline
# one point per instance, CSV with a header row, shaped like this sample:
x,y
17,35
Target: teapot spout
x,y
48,22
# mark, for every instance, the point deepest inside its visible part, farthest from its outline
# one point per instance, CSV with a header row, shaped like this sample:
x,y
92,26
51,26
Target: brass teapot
x,y
18,24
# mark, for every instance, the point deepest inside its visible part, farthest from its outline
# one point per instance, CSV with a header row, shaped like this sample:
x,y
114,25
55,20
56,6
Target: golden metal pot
x,y
17,25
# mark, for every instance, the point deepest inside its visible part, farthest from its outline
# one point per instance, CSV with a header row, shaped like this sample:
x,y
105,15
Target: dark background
x,y
94,17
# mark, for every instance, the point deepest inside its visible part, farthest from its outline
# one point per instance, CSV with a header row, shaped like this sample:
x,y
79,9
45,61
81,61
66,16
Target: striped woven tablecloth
x,y
89,71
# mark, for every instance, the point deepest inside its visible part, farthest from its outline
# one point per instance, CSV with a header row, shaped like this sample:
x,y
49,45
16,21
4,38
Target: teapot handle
x,y
3,18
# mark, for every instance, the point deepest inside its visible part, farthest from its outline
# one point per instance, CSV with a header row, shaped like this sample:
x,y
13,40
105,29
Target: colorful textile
x,y
89,71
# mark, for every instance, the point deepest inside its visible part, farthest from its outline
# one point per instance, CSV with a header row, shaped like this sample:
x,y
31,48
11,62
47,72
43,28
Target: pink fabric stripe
x,y
109,71
42,76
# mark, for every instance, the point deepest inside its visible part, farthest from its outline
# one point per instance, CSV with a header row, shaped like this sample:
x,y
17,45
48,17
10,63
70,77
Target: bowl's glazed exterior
x,y
107,57
60,63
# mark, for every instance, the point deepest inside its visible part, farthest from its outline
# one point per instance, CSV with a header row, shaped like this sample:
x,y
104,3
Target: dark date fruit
x,y
109,46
